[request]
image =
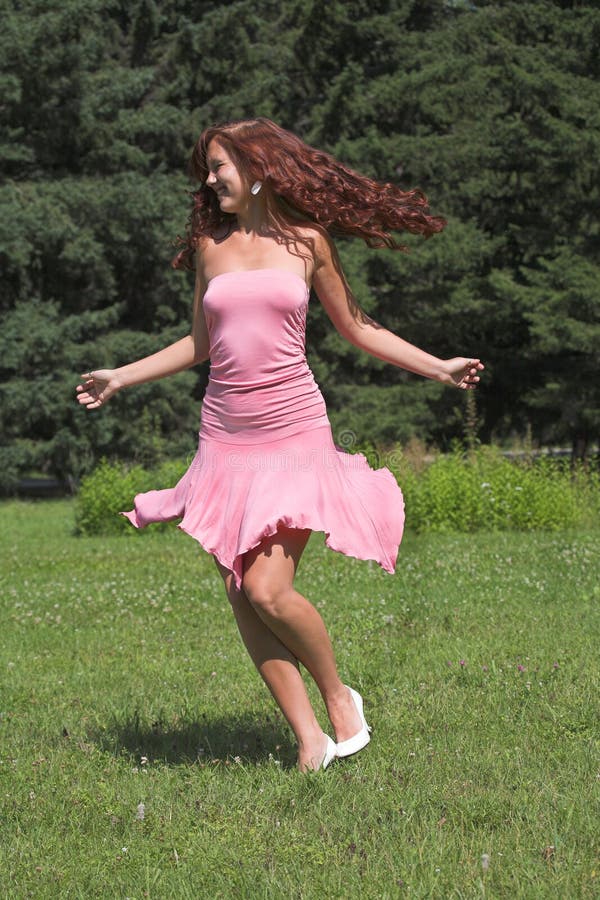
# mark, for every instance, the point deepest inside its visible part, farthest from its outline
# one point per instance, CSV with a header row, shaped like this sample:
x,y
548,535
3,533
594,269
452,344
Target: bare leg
x,y
279,669
269,570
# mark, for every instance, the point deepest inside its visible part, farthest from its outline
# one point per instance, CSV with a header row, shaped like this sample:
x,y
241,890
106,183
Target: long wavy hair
x,y
301,184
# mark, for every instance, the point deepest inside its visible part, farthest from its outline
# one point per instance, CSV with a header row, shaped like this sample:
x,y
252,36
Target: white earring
x,y
256,188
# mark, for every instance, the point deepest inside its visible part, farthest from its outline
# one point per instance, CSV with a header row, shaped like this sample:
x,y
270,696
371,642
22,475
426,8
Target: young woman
x,y
267,472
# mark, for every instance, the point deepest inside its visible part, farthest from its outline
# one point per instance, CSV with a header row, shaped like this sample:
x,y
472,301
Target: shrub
x,y
480,489
110,489
460,491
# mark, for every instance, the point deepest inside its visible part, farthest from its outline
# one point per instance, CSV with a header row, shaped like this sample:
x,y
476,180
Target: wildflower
x,y
484,668
462,662
521,668
555,665
141,812
485,861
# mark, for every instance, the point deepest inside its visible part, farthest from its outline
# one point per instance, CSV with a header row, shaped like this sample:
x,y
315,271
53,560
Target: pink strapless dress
x,y
266,455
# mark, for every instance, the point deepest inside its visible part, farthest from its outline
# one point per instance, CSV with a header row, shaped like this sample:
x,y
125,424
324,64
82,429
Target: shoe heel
x,y
361,739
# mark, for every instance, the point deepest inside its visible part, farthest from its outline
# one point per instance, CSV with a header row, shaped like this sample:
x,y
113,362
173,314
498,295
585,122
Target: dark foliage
x,y
490,108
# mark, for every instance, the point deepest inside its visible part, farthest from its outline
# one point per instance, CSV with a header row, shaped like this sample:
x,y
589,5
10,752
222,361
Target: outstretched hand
x,y
98,387
462,372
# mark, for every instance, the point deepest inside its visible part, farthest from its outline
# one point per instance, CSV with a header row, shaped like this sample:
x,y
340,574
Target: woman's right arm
x,y
100,385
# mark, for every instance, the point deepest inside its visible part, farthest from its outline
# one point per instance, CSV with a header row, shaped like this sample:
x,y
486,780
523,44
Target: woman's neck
x,y
254,218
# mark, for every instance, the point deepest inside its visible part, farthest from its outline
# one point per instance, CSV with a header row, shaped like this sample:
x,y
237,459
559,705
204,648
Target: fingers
x,y
464,371
471,379
88,382
88,393
473,367
94,403
89,400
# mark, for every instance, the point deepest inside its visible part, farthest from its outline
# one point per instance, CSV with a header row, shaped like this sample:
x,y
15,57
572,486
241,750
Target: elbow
x,y
199,351
360,330
354,334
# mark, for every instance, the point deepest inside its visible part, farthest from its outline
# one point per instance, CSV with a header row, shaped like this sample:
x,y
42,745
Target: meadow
x,y
142,757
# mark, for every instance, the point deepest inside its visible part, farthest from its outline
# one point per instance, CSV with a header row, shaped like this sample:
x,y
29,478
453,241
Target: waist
x,y
263,413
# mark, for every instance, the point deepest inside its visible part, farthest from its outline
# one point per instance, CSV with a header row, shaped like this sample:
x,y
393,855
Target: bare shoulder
x,y
214,251
205,250
202,247
318,239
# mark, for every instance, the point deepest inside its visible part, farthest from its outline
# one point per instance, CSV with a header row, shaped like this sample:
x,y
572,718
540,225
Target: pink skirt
x,y
233,496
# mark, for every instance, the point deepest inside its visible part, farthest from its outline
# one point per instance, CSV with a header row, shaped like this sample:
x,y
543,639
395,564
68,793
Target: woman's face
x,y
225,179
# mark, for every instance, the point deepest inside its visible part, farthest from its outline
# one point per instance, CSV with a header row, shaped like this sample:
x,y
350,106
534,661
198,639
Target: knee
x,y
264,595
237,598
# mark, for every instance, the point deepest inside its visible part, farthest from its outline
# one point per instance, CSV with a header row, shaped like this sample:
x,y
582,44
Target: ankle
x,y
310,738
336,696
340,704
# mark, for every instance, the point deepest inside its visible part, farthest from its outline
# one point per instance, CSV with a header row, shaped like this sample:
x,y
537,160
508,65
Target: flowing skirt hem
x,y
231,499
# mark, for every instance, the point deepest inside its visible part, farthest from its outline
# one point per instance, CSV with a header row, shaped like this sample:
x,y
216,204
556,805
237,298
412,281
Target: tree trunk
x,y
579,447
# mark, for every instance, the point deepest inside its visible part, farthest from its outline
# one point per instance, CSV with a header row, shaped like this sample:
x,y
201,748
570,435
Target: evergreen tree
x,y
490,108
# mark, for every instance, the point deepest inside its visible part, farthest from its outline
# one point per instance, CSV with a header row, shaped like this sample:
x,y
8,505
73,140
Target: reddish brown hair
x,y
302,183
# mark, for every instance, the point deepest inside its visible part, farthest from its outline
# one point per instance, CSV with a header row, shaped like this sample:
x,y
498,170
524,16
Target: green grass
x,y
119,650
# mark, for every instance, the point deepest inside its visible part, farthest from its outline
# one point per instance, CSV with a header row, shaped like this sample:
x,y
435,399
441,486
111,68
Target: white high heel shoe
x,y
361,738
330,753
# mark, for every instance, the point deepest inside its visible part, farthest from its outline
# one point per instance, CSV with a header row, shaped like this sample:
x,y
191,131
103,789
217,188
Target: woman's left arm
x,y
353,324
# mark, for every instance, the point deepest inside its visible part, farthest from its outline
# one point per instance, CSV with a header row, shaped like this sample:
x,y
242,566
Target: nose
x,y
211,179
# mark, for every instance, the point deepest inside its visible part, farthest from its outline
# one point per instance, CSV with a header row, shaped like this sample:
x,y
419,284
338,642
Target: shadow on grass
x,y
207,740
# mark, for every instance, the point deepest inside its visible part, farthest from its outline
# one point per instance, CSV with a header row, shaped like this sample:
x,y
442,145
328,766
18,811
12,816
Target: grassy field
x,y
141,756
